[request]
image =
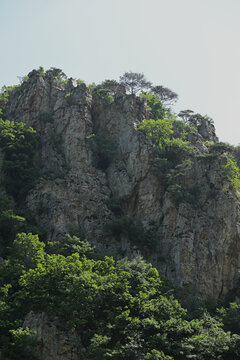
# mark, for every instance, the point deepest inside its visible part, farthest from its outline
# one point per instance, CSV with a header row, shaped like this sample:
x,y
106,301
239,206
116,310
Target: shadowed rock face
x,y
199,242
53,340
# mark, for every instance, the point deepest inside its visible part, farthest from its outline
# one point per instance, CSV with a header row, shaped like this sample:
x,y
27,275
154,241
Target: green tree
x,y
156,107
41,70
58,73
103,148
157,131
120,309
10,225
19,144
185,114
27,250
106,90
232,172
71,245
109,86
230,317
134,82
164,94
170,151
4,99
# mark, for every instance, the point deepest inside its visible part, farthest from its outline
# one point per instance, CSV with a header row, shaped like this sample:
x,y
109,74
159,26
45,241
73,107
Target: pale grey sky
x,y
190,46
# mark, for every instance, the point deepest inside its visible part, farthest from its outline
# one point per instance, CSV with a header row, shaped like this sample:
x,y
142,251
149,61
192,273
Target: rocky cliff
x,y
192,240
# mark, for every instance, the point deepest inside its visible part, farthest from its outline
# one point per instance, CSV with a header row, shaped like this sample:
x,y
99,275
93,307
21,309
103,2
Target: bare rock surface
x,y
53,341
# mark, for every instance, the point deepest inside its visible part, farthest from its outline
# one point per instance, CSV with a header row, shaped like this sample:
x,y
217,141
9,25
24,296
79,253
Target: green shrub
x,y
19,144
46,117
176,150
10,225
42,208
103,149
21,344
41,70
122,226
92,87
188,194
103,94
181,129
116,204
161,135
172,155
231,171
13,221
70,245
30,225
157,131
134,231
120,309
58,73
230,317
155,106
219,147
27,250
4,99
80,82
207,156
77,230
70,99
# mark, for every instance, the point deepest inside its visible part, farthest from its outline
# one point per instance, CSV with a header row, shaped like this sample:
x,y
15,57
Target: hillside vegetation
x,y
120,308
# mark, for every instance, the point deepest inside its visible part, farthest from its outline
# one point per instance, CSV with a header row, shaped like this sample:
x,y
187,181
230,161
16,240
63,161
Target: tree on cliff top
x,y
134,82
164,94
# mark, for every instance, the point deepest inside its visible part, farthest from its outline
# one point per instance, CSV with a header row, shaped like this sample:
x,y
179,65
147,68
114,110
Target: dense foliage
x,y
170,151
120,309
13,221
107,90
104,149
165,95
232,172
19,144
156,107
134,232
174,155
4,99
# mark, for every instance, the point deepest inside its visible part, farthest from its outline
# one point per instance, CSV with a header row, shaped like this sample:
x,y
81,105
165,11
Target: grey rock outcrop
x,y
207,130
52,339
199,242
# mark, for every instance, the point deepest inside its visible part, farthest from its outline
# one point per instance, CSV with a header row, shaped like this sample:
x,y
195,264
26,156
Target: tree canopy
x,y
120,309
167,96
134,82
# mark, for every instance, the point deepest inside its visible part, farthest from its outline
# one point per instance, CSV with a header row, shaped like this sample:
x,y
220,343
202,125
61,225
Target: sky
x,y
189,46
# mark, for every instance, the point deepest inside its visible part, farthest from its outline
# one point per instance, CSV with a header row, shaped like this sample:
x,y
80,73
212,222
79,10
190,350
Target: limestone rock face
x,y
71,189
53,341
198,244
207,131
201,242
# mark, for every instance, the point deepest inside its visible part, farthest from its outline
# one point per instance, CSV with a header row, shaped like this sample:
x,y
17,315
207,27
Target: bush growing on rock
x,y
134,82
232,172
103,148
19,144
164,94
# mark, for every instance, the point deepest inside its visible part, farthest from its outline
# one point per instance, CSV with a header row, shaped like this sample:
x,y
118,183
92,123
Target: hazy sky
x,y
190,46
